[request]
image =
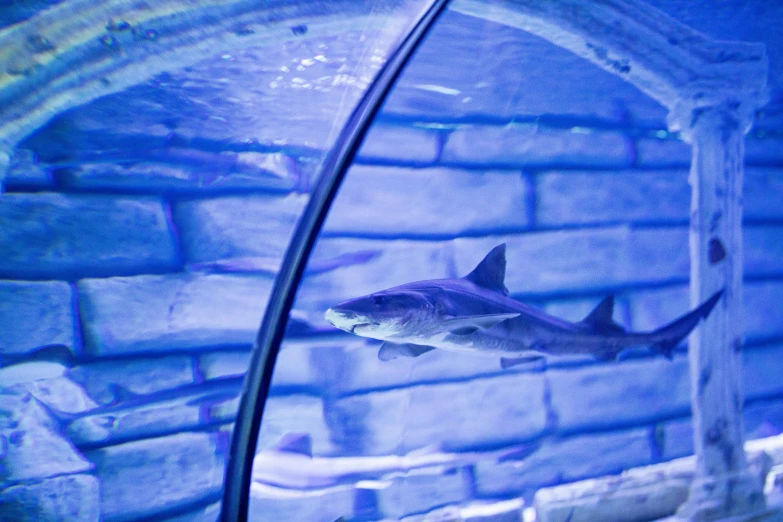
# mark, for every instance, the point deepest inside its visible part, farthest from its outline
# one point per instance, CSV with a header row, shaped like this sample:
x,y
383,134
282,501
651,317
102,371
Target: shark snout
x,y
347,320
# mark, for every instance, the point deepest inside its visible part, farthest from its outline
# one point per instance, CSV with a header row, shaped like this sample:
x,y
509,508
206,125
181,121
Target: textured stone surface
x,y
75,498
566,460
587,259
210,513
762,194
26,171
28,372
107,381
630,392
48,235
174,312
34,447
567,198
394,202
419,494
530,145
459,415
60,394
272,506
142,478
137,418
399,144
33,315
662,153
256,227
295,413
188,170
762,250
445,81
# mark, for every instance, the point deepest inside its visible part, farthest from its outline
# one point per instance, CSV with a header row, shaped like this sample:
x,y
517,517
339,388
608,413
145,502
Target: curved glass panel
x,y
141,230
448,400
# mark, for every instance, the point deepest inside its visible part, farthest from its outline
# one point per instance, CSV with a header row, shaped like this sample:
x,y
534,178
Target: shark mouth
x,y
354,327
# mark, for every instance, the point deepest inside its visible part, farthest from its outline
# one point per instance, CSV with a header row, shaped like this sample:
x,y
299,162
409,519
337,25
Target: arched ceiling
x,y
79,50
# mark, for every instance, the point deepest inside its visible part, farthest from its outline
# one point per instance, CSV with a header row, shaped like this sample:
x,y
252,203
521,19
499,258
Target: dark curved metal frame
x,y
236,493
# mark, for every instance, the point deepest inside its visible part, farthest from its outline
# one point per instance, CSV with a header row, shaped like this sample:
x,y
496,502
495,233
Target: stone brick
x,y
569,198
394,202
583,259
209,513
26,171
422,493
33,315
139,479
663,153
107,381
477,511
137,418
75,498
34,447
529,145
763,419
675,438
251,230
631,392
762,250
222,364
47,235
459,415
763,151
171,312
399,144
566,460
762,194
268,505
60,394
344,268
295,413
188,170
29,372
760,371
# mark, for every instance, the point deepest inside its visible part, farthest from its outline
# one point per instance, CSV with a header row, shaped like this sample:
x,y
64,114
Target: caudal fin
x,y
674,332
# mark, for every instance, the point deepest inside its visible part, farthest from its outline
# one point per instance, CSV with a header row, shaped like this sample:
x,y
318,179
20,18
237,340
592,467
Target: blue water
x,y
141,233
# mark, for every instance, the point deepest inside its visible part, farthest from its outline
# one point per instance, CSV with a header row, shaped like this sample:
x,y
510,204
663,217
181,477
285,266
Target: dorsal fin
x,y
600,319
299,443
491,272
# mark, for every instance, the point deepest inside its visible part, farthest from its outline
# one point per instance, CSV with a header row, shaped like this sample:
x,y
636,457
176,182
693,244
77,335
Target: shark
x,y
291,466
475,314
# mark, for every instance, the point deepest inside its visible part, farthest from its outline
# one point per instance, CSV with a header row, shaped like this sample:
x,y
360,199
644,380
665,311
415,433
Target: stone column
x,y
723,487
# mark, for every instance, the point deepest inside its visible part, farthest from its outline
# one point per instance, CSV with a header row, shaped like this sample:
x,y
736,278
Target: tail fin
x,y
678,330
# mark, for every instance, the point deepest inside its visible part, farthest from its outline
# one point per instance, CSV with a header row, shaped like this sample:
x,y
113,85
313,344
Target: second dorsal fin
x,y
600,319
299,443
491,272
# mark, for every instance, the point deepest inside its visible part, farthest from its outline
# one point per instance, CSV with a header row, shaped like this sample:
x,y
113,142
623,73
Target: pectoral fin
x,y
389,351
468,324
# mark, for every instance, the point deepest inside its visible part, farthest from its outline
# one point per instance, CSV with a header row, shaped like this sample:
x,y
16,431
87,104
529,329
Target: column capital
x,y
734,110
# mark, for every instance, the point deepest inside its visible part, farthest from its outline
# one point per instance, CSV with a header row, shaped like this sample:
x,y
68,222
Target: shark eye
x,y
379,299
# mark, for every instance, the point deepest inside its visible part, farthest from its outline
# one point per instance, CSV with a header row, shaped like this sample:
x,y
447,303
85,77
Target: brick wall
x,y
141,235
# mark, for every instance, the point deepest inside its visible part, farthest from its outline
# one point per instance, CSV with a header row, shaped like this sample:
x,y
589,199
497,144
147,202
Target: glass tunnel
x,y
391,260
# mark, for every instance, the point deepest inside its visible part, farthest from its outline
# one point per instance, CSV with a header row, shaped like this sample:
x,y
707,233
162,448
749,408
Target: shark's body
x,y
475,314
290,465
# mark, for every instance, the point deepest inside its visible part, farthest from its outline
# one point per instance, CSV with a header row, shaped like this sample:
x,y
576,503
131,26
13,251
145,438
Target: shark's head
x,y
396,313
